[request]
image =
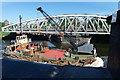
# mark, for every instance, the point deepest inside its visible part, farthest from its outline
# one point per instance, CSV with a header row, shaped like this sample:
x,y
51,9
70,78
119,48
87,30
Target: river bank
x,y
5,33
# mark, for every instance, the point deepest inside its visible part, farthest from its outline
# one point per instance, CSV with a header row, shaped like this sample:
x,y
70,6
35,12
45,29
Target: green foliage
x,y
5,33
2,24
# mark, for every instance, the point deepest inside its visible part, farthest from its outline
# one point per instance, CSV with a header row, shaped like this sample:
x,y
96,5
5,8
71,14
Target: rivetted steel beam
x,y
75,23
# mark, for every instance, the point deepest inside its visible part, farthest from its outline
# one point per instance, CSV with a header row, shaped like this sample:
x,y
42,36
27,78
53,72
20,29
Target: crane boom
x,y
50,20
68,37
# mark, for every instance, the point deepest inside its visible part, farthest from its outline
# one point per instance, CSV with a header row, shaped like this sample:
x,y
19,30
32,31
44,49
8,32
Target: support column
x,y
114,47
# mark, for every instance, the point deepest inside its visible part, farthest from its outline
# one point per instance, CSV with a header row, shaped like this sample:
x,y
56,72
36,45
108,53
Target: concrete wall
x,y
114,47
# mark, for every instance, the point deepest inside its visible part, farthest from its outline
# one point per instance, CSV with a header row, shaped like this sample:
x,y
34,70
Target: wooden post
x,y
114,47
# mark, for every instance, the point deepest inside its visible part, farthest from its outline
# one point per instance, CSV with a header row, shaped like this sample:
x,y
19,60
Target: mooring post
x,y
114,46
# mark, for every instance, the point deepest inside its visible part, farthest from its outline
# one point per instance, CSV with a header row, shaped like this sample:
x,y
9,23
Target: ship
x,y
24,49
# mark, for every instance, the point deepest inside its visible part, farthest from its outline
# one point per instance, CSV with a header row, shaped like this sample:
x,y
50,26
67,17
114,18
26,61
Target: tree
x,y
2,24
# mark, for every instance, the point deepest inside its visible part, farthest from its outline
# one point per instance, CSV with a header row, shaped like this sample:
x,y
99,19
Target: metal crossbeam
x,y
77,24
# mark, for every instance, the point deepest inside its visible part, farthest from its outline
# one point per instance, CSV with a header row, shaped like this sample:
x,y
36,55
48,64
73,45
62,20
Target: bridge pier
x,y
114,48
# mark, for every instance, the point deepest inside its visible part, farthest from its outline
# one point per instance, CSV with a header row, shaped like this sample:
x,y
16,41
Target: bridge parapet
x,y
78,24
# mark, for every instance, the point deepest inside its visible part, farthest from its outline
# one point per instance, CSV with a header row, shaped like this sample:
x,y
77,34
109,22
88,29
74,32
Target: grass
x,y
3,34
0,34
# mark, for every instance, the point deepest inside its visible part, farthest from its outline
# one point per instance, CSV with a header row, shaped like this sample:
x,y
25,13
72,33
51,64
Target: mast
x,y
20,24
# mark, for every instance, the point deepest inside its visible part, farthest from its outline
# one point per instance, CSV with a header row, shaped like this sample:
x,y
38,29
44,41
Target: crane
x,y
50,20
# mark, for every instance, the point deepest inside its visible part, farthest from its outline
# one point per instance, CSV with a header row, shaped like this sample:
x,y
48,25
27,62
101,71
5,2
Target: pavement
x,y
23,69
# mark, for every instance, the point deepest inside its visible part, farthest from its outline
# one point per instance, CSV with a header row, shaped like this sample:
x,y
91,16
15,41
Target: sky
x,y
59,0
12,10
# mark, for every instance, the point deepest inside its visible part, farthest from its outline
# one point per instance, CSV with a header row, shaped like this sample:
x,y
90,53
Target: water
x,y
102,48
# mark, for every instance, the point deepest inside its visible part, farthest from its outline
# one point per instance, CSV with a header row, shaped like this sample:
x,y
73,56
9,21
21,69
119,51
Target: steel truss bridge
x,y
75,24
